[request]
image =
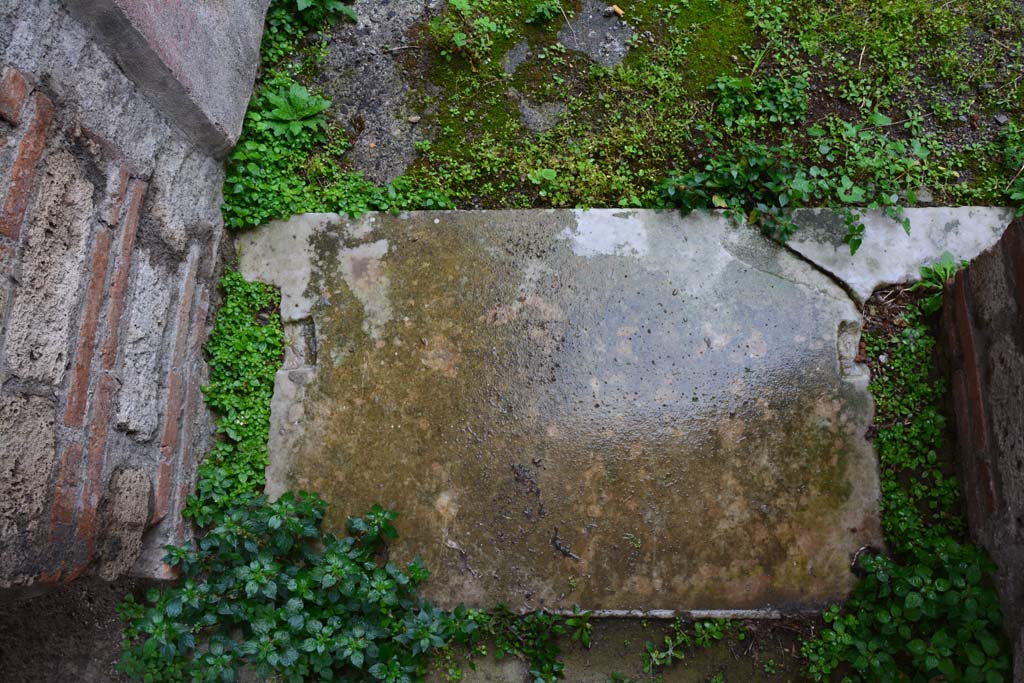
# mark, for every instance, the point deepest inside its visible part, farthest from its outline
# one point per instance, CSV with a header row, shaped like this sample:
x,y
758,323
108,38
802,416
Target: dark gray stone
x,y
601,36
370,93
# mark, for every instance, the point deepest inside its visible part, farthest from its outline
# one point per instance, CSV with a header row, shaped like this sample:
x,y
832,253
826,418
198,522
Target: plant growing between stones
x,y
681,637
928,612
292,110
265,587
544,11
933,280
244,352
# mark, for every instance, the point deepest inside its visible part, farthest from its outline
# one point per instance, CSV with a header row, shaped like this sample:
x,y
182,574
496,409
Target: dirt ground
x,y
68,635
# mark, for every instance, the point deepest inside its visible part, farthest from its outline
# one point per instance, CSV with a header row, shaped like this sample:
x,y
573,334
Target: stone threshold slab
x,y
626,410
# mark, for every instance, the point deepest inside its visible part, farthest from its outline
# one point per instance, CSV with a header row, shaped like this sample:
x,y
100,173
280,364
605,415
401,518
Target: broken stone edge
x,y
889,255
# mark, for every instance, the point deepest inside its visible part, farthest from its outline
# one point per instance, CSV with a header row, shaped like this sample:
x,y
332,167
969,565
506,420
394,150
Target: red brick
x,y
122,267
168,444
974,403
184,488
14,90
162,491
960,403
169,439
185,311
199,326
99,421
76,571
48,578
983,498
948,324
186,469
74,414
193,395
65,494
24,171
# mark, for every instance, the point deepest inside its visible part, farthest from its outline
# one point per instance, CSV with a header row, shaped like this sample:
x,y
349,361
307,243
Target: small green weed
x,y
933,280
293,110
544,11
682,636
467,31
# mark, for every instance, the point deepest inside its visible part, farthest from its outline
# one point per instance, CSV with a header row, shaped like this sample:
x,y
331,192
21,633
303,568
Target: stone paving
x,y
626,410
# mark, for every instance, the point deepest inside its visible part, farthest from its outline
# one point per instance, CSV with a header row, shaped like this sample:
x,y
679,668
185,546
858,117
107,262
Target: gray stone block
x,y
889,255
142,351
123,514
195,60
666,407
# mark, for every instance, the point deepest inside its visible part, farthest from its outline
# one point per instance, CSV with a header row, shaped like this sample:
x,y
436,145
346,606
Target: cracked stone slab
x,y
617,409
889,255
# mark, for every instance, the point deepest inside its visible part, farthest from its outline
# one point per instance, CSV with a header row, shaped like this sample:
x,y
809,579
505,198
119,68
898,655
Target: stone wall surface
x,y
195,59
110,233
983,333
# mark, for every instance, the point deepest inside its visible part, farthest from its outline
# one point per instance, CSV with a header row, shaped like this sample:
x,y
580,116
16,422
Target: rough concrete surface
x,y
889,255
52,259
26,429
138,404
616,409
597,32
124,514
372,97
195,60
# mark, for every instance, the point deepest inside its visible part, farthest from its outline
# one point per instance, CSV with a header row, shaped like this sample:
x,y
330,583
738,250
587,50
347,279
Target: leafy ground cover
x,y
926,611
754,106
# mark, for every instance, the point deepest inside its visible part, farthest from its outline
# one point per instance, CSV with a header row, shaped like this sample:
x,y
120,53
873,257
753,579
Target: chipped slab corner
x,y
662,408
889,255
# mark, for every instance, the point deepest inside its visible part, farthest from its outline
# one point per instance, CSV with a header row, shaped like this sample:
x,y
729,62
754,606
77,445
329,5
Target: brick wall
x,y
983,335
110,243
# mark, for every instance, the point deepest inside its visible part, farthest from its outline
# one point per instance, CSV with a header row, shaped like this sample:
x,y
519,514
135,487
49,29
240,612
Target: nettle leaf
x,y
293,109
